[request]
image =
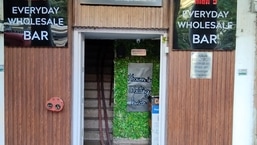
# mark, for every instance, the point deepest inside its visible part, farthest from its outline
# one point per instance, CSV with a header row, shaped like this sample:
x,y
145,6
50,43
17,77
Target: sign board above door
x,y
156,3
204,24
35,23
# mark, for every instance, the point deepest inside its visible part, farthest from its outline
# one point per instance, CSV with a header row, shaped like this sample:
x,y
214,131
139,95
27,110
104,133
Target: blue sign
x,y
155,109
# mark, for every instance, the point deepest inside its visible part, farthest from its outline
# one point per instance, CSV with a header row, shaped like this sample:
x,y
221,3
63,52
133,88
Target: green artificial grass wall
x,y
132,125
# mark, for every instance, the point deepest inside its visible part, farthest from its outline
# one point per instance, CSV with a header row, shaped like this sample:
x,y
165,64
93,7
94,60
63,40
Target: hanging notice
x,y
139,86
35,23
201,65
204,24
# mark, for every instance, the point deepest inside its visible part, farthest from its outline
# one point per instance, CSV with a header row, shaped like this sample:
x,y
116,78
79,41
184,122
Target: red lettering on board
x,y
206,2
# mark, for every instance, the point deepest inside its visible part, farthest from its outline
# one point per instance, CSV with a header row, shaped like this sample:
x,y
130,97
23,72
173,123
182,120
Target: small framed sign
x,y
138,52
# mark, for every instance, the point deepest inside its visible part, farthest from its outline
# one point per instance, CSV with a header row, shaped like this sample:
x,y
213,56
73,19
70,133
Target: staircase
x,y
92,109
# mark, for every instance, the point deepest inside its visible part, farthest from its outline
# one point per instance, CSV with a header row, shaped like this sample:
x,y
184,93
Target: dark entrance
x,y
98,111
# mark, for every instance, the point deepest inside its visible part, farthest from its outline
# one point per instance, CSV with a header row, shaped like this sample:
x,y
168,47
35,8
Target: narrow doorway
x,y
98,95
134,117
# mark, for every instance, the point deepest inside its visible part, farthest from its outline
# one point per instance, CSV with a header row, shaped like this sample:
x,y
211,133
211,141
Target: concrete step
x,y
94,135
93,78
93,142
92,123
93,94
94,113
93,85
94,63
89,103
93,70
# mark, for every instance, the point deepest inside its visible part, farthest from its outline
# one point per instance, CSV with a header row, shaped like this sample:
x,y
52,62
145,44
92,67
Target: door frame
x,y
79,36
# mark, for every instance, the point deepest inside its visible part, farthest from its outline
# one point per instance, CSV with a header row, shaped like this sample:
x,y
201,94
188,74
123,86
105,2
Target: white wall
x,y
1,78
243,117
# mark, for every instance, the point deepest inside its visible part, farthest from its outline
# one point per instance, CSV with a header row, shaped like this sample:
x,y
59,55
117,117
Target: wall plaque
x,y
138,52
201,65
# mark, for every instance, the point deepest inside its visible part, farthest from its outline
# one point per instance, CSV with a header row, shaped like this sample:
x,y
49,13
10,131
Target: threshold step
x,y
94,135
93,142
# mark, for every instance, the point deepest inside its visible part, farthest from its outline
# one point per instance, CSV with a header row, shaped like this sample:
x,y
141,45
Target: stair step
x,y
107,107
93,70
93,85
93,94
97,129
94,103
94,135
90,60
91,142
94,142
109,118
93,123
94,113
93,77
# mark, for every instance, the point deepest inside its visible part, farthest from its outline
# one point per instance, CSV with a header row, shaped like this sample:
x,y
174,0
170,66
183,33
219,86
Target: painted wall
x,y
243,113
2,130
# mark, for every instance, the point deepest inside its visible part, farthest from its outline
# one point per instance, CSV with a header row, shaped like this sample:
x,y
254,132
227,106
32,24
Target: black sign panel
x,y
205,24
156,3
35,23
